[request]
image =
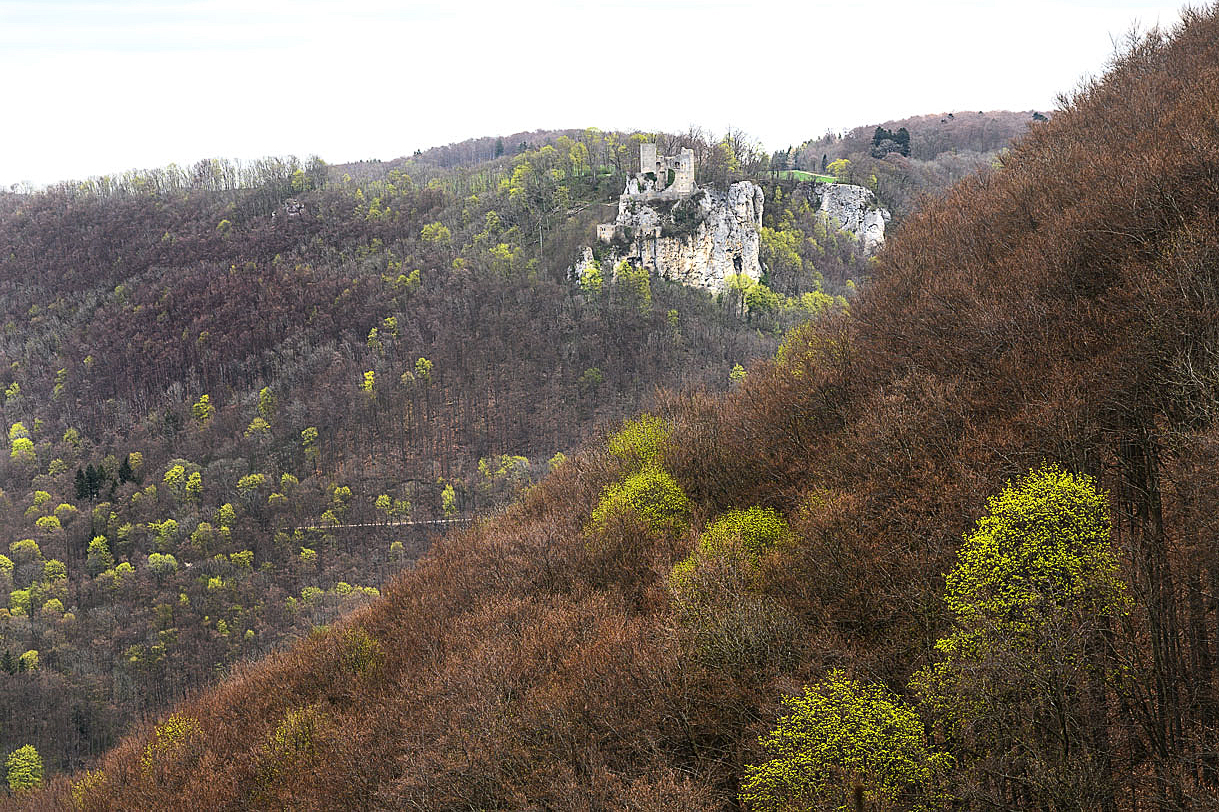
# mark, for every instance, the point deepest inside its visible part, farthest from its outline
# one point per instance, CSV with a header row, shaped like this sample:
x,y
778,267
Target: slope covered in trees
x,y
625,636
238,398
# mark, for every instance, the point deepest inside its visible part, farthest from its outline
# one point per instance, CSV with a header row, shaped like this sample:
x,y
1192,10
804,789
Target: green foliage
x,y
202,536
780,250
166,533
19,601
243,559
1042,548
748,533
250,483
738,539
423,370
48,524
266,403
837,735
162,563
641,440
1033,591
436,233
25,551
23,450
737,374
28,661
590,379
98,558
360,652
171,741
24,769
448,500
634,286
203,410
840,169
90,784
652,496
592,280
293,742
194,486
122,572
506,467
175,479
760,299
258,428
54,570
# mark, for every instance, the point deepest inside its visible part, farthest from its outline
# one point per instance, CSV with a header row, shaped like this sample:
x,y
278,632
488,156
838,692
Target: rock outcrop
x,y
856,211
700,236
697,240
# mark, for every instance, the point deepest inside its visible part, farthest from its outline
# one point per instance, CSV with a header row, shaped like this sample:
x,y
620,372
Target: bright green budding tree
x,y
24,768
838,737
1020,683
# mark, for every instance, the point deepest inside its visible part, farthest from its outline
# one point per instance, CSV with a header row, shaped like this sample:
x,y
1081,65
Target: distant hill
x,y
943,149
463,153
626,634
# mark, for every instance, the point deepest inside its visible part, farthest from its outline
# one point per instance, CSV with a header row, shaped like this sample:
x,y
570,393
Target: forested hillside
x,y
813,559
237,398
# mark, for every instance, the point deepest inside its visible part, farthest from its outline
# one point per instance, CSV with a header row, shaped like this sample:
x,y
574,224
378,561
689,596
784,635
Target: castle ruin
x,y
663,176
670,226
660,177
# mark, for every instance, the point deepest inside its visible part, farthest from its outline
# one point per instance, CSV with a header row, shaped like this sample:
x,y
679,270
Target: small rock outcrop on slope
x,y
856,211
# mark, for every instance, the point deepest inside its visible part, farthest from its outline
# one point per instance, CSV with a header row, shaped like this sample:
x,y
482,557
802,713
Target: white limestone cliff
x,y
697,240
856,210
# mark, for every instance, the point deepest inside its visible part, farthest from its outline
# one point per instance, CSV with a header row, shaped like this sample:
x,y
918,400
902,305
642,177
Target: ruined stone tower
x,y
662,175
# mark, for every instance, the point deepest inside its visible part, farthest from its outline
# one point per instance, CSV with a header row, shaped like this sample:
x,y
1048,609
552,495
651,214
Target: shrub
x,y
738,539
90,783
652,496
361,652
171,742
640,441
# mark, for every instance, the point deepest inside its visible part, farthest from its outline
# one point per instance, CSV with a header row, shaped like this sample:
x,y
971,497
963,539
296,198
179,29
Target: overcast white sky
x,y
90,87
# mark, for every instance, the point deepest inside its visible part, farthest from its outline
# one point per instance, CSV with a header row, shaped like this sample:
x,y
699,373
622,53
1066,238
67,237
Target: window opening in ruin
x,y
736,263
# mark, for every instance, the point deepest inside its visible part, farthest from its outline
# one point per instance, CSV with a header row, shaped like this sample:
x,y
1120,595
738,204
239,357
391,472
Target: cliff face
x,y
697,240
856,210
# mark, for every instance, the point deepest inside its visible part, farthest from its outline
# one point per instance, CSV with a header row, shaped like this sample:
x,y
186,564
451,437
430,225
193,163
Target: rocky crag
x,y
698,240
700,236
855,210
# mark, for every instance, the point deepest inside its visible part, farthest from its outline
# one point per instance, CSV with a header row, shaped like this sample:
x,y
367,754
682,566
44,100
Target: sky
x,y
94,87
